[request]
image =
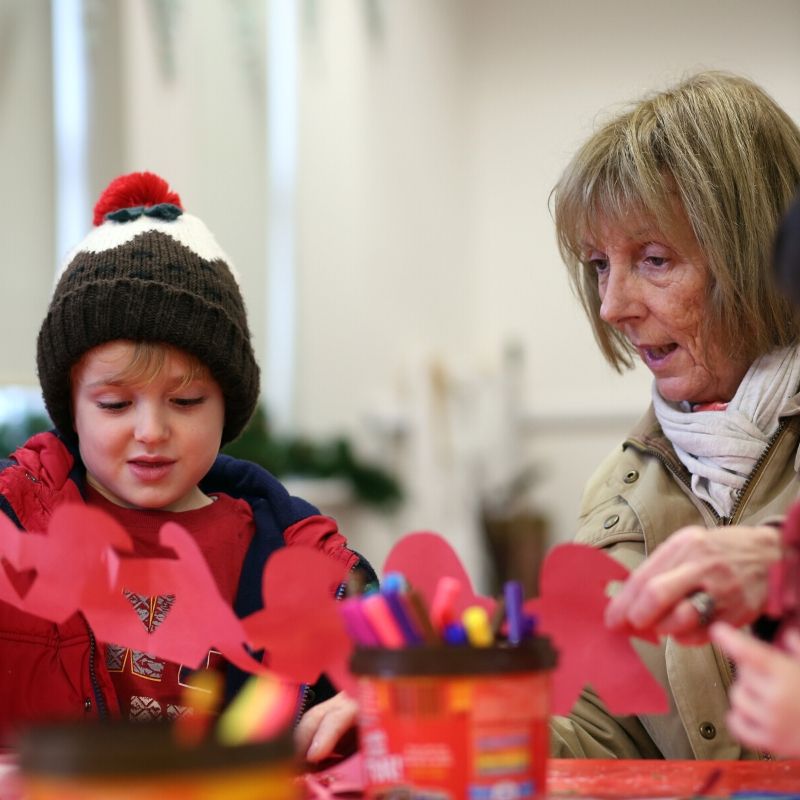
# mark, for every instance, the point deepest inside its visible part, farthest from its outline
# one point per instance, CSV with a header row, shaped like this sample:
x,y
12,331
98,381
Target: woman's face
x,y
653,291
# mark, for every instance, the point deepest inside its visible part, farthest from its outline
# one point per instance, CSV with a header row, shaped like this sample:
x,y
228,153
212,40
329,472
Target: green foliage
x,y
16,432
286,456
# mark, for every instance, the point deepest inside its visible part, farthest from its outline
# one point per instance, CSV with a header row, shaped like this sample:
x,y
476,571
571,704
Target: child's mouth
x,y
150,470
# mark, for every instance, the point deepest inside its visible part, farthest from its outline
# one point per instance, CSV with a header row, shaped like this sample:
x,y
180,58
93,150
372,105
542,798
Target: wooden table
x,y
650,779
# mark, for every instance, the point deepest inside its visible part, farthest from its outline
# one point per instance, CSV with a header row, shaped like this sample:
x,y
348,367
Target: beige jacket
x,y
634,501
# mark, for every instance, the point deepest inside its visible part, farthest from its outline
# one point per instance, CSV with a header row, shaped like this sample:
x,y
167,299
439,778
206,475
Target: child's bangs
x,y
148,360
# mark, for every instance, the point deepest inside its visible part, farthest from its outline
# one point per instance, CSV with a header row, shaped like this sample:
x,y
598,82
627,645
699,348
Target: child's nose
x,y
151,425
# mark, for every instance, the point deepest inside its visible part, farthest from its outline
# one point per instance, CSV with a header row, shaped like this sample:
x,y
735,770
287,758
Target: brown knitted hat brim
x,y
151,288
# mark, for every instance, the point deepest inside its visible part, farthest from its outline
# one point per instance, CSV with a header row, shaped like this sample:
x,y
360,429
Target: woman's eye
x,y
657,261
598,265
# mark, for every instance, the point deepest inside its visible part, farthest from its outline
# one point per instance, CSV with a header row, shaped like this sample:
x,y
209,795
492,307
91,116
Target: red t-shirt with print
x,y
147,687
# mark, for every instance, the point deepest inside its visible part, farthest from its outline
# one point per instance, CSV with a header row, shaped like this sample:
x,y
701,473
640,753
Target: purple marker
x,y
512,593
397,605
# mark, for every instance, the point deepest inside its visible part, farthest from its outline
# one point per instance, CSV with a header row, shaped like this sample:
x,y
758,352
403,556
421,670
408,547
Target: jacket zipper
x,y
99,699
306,691
740,494
720,520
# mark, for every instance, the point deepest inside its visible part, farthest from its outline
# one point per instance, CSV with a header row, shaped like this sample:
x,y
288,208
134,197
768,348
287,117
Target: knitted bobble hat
x,y
148,272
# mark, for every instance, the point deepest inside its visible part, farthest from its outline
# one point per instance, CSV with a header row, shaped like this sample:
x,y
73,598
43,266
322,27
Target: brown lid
x,y
134,749
530,656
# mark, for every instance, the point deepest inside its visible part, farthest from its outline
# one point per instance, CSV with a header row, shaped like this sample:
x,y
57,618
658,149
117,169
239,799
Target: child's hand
x,y
765,702
323,725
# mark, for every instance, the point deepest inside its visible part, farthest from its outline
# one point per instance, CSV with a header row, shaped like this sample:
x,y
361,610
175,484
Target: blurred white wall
x,y
430,135
27,203
431,140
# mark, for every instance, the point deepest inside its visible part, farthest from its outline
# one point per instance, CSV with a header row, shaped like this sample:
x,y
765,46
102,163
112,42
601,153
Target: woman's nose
x,y
619,299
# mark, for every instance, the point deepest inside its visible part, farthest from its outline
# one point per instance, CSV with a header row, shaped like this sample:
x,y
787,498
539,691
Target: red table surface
x,y
631,780
635,779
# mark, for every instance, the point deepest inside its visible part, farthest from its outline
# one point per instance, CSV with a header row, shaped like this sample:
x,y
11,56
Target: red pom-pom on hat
x,y
135,189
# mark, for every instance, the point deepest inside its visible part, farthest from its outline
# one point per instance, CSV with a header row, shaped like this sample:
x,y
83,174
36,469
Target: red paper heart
x,y
20,580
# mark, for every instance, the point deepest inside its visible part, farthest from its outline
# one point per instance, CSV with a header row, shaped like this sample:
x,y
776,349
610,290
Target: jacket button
x,y
631,477
87,704
611,521
707,730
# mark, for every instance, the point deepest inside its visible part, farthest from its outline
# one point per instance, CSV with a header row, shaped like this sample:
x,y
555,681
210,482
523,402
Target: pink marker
x,y
357,624
382,620
443,605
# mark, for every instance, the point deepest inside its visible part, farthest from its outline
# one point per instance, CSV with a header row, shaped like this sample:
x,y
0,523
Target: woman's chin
x,y
674,391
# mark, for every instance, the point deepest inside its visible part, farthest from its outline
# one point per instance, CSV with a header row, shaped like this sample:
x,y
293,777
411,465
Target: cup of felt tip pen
x,y
457,709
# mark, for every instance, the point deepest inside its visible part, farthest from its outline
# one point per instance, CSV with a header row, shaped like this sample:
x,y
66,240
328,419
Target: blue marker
x,y
455,633
394,582
512,593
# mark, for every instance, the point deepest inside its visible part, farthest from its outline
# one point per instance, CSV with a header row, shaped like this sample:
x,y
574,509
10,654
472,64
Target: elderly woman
x,y
665,218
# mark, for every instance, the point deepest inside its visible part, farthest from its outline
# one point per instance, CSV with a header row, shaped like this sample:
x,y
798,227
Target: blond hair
x,y
147,361
731,156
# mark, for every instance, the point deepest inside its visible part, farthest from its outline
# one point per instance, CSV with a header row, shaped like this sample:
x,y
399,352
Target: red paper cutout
x,y
424,558
71,562
300,625
573,584
199,618
89,541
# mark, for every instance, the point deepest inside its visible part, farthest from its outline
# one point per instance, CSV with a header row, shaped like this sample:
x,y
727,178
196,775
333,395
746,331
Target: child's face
x,y
146,445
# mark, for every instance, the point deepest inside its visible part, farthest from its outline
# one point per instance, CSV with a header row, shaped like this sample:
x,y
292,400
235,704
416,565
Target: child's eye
x,y
185,402
118,405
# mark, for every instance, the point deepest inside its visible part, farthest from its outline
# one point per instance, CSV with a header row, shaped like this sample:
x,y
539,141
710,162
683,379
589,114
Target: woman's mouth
x,y
655,355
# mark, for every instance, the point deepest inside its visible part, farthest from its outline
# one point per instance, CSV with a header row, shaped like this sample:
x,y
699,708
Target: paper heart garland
x,y
300,626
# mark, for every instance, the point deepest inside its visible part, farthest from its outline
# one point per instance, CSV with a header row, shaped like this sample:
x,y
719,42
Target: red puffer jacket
x,y
50,671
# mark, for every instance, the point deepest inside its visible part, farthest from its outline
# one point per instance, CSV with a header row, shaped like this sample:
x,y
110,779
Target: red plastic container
x,y
445,722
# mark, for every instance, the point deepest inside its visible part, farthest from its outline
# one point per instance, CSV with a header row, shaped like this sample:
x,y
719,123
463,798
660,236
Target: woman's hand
x,y
765,703
323,725
729,563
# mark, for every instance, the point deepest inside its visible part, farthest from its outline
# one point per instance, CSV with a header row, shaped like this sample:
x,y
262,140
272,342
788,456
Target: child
x,y
765,701
146,368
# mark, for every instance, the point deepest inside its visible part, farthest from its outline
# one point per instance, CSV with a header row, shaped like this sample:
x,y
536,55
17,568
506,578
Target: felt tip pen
x,y
455,633
398,605
444,601
356,623
476,624
419,611
382,620
394,582
512,594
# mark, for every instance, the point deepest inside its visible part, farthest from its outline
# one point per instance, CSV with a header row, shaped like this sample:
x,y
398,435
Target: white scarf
x,y
720,448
